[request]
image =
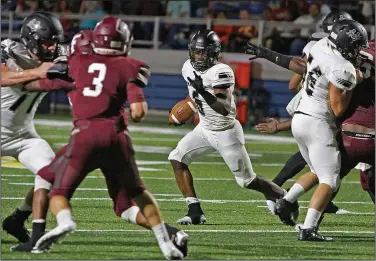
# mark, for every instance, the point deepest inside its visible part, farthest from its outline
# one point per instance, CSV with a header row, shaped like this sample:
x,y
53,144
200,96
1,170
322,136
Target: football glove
x,y
255,50
59,71
197,83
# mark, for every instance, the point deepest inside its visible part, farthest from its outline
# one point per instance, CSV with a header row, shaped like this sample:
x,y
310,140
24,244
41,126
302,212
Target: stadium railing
x,y
10,19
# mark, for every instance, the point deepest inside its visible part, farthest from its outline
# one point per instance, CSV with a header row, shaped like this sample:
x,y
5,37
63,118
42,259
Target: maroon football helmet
x,y
367,56
81,43
112,36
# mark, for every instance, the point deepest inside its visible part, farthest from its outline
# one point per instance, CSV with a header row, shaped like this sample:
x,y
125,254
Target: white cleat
x,y
271,206
342,211
54,236
170,252
187,220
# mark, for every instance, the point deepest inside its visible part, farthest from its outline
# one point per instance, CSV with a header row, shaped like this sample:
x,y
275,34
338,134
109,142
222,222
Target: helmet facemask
x,y
203,58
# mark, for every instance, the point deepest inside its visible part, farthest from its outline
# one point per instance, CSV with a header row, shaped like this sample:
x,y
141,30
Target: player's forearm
x,y
218,103
284,125
294,64
45,85
11,78
295,82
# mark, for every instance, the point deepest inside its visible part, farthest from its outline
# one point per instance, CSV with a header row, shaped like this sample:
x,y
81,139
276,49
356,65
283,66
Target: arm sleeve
x,y
343,78
55,85
223,78
134,93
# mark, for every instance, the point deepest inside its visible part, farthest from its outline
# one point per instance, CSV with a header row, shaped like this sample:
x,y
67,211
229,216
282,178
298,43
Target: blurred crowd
x,y
176,36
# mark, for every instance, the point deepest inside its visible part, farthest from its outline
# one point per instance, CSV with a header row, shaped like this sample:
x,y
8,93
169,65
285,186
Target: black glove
x,y
59,71
197,83
256,50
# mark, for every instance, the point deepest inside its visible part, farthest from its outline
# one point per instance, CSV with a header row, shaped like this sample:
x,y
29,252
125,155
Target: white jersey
x,y
219,74
324,65
18,106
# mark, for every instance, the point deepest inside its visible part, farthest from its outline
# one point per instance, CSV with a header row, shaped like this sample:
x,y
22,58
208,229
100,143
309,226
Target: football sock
x,y
293,166
25,207
312,218
271,206
161,233
39,227
294,193
64,217
191,200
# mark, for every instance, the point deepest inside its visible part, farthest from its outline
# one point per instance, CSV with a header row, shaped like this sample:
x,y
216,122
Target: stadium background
x,y
239,225
162,30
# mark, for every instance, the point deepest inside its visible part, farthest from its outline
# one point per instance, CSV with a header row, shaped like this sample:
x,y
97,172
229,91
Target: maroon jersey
x,y
103,84
361,110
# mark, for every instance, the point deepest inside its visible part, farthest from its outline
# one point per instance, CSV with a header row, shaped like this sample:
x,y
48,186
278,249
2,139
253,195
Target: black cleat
x,y
15,225
195,216
179,238
24,247
288,212
310,234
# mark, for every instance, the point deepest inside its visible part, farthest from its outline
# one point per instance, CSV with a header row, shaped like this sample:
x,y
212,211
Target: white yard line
x,y
159,130
223,231
165,178
215,201
345,213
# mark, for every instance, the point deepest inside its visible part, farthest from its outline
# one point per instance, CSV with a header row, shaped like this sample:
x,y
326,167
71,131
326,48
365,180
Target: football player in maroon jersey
x,y
104,81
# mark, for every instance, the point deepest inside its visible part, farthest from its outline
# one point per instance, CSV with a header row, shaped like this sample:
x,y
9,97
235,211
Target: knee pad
x,y
243,175
40,183
177,155
130,214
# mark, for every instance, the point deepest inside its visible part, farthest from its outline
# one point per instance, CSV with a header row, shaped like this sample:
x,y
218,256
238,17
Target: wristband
x,y
276,126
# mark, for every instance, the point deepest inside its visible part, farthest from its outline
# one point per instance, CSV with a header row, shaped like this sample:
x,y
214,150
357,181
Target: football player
x,y
104,81
22,62
295,163
329,82
124,207
211,85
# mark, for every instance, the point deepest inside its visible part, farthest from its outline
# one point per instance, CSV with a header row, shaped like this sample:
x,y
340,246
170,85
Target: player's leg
x,y
127,177
80,152
34,153
367,181
293,166
42,185
188,149
325,159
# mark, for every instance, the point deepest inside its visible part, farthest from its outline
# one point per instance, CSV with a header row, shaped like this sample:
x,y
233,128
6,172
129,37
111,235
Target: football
x,y
182,111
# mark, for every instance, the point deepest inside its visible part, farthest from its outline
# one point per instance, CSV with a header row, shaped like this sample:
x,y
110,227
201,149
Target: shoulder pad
x,y
223,77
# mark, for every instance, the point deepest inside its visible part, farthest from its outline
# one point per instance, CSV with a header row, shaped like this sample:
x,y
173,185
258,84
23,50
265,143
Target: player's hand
x,y
268,127
197,83
59,71
41,71
255,50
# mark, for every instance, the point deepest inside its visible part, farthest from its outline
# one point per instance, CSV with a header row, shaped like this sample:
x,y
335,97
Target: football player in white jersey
x,y
211,86
295,163
329,81
41,33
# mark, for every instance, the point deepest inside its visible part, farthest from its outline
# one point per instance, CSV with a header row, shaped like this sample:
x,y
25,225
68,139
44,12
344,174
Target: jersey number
x,y
97,81
312,77
198,103
20,100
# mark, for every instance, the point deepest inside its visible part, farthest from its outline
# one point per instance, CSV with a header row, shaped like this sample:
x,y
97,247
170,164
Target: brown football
x,y
182,111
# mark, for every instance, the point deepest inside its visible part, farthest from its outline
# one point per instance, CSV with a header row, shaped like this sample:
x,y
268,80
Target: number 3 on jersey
x,y
97,81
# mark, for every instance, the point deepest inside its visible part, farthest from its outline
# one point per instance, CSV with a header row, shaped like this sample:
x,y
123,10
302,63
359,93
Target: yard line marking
x,y
165,178
217,201
149,129
344,213
225,231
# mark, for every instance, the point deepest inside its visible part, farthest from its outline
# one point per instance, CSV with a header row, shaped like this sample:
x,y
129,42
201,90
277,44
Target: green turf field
x,y
239,226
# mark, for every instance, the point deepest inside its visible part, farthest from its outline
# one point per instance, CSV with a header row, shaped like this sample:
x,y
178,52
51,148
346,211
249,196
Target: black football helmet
x,y
39,31
349,37
334,17
204,49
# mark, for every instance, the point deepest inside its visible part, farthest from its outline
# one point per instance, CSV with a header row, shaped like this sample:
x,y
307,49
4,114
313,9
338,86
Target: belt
x,y
359,135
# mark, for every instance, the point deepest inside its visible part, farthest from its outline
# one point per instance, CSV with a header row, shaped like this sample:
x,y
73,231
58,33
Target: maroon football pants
x,y
96,144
